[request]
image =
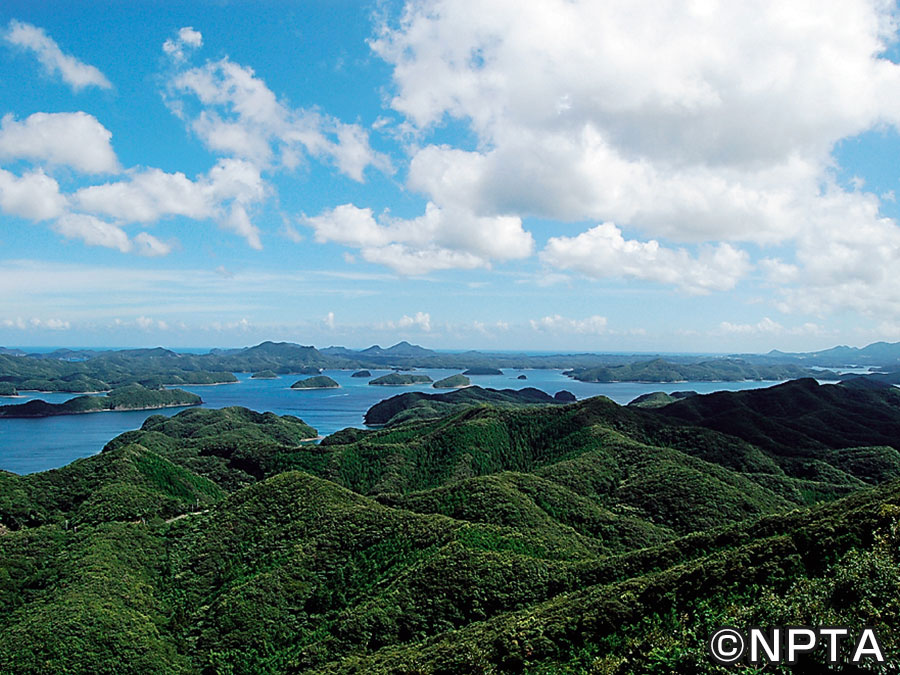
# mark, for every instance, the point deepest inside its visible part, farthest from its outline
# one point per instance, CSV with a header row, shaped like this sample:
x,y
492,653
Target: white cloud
x,y
73,72
93,231
420,321
48,324
35,195
240,116
147,323
328,321
602,252
594,325
187,38
74,139
767,326
439,239
694,122
225,194
149,246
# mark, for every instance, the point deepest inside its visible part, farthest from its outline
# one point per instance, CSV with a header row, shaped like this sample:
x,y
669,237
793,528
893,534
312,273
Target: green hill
x,y
400,379
316,382
452,382
586,537
133,397
264,375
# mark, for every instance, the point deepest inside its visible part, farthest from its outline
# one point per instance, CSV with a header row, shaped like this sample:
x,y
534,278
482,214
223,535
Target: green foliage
x,y
579,538
452,382
131,397
316,382
399,379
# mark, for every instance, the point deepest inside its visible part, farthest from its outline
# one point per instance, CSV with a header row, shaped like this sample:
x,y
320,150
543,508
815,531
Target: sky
x,y
635,175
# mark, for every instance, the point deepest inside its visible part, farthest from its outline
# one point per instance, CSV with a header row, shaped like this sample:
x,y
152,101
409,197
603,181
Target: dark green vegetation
x,y
578,538
452,382
522,377
133,397
316,382
483,371
399,379
658,399
420,406
715,370
7,389
265,375
361,373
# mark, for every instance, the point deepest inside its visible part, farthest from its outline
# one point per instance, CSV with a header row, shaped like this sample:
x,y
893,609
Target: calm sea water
x,y
29,445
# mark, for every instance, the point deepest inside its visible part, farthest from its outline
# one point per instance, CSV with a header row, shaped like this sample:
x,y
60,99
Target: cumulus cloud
x,y
74,139
767,326
73,72
439,239
240,116
602,252
146,323
595,325
692,122
48,324
225,193
186,38
34,196
93,231
420,321
149,246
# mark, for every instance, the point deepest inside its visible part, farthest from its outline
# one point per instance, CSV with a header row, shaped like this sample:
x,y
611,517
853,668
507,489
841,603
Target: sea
x,y
30,445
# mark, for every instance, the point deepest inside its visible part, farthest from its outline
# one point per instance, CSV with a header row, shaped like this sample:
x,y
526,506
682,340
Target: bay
x,y
30,445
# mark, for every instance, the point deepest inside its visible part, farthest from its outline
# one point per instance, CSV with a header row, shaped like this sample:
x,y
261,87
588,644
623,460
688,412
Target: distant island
x,y
400,380
361,373
265,375
134,397
483,370
316,382
522,377
453,382
8,389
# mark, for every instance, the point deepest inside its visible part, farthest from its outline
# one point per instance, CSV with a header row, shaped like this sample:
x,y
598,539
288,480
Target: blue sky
x,y
551,175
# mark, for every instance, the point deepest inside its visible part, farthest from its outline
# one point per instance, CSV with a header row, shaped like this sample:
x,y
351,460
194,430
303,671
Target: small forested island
x,y
522,377
564,397
400,379
316,382
712,370
361,373
453,382
133,397
265,375
483,371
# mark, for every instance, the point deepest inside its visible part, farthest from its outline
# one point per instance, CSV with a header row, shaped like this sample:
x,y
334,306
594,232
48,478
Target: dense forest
x,y
530,537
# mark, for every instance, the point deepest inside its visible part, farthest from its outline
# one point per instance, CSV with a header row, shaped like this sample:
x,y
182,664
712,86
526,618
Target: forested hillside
x,y
586,537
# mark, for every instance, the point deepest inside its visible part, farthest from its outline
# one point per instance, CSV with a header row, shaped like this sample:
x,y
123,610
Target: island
x,y
480,370
316,382
361,373
659,399
8,389
521,377
400,380
453,382
265,375
132,397
564,396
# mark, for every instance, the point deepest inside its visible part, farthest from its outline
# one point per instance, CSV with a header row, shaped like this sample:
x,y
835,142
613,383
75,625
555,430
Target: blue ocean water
x,y
29,445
